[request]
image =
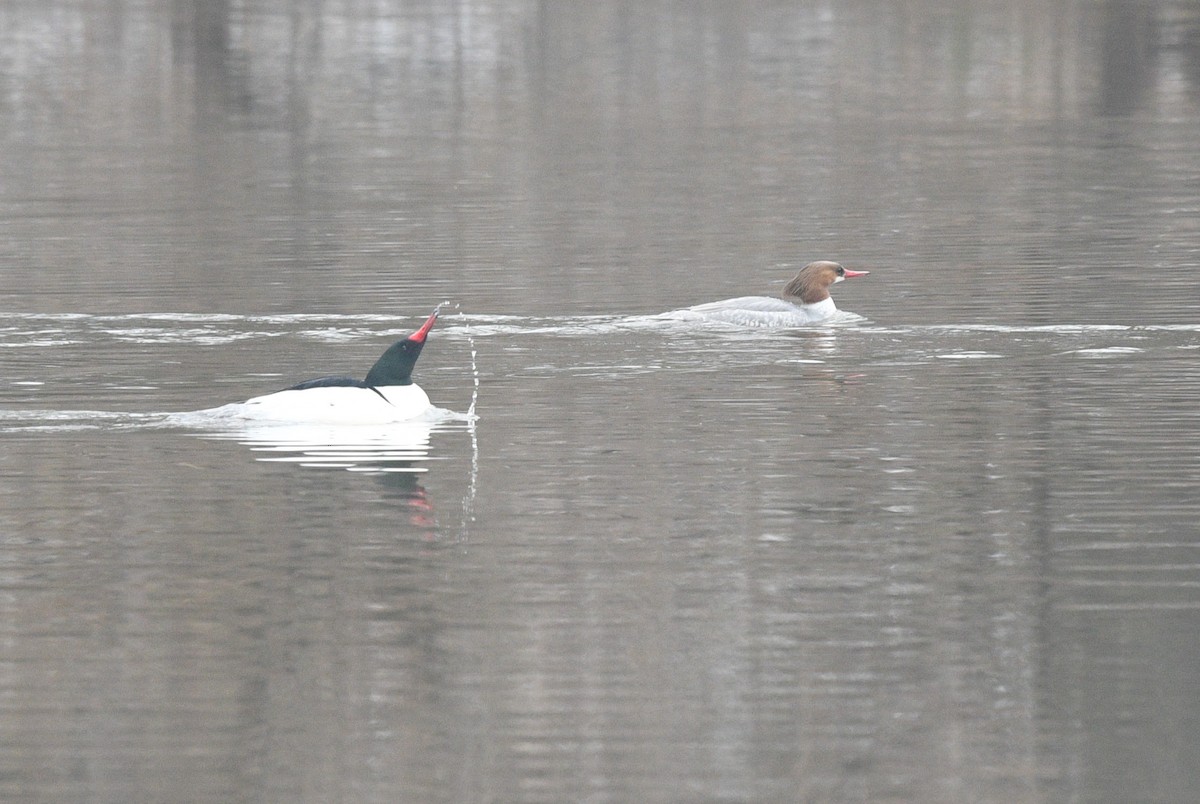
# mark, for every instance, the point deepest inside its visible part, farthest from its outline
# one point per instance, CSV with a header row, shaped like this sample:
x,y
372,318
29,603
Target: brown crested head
x,y
811,285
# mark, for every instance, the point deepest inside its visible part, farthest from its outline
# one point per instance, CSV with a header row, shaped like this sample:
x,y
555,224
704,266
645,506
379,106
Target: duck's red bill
x,y
420,335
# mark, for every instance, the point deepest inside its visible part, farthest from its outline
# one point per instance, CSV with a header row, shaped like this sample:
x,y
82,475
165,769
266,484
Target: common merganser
x,y
388,393
805,300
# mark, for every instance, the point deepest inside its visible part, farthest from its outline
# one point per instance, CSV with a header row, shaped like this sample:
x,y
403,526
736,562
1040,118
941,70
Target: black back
x,y
329,382
334,382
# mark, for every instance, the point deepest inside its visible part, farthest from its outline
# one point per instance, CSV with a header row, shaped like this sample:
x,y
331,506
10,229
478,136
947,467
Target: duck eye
x,y
841,271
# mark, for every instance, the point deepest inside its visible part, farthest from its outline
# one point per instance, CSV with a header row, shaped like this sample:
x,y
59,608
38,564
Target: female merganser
x,y
388,394
805,300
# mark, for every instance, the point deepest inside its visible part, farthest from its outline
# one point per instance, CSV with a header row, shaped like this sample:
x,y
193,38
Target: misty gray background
x,y
948,553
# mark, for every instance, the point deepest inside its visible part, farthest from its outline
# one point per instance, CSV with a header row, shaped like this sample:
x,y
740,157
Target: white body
x,y
339,405
763,311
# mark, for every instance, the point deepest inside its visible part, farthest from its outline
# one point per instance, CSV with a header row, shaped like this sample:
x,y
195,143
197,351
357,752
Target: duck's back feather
x,y
763,311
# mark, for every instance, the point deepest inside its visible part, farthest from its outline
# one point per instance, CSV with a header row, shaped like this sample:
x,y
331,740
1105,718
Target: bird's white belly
x,y
339,405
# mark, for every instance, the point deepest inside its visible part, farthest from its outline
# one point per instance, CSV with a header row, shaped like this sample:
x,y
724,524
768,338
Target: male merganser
x,y
805,300
388,394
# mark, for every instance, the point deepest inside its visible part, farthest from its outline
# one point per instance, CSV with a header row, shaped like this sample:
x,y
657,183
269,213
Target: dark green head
x,y
395,367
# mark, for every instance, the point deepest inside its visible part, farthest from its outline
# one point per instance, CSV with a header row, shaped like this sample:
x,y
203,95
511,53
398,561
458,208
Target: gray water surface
x,y
942,550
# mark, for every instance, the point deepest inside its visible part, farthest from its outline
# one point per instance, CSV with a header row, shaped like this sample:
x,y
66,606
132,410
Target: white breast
x,y
339,405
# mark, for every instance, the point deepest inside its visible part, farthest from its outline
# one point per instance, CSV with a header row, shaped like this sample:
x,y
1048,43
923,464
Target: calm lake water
x,y
944,552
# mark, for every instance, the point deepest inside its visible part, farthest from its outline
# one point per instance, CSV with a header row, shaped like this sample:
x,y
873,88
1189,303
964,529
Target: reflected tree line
x,y
1139,43
244,54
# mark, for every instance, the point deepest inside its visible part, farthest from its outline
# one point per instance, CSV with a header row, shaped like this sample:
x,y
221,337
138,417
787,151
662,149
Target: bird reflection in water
x,y
394,454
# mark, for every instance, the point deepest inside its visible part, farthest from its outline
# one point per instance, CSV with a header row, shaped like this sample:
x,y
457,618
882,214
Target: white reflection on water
x,y
395,447
400,447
